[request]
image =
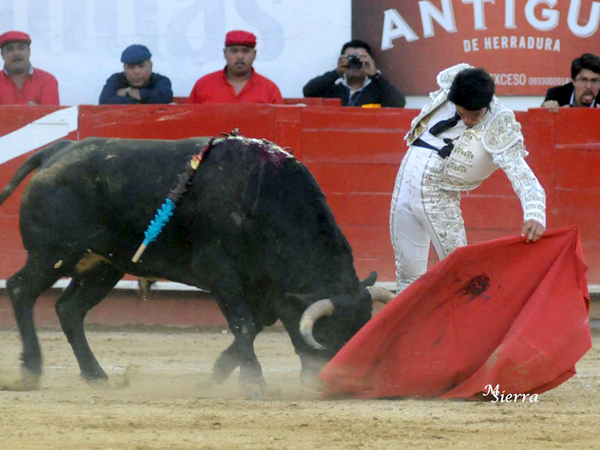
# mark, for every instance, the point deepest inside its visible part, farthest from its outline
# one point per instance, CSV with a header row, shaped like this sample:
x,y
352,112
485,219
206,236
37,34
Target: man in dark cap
x,y
20,83
137,83
237,82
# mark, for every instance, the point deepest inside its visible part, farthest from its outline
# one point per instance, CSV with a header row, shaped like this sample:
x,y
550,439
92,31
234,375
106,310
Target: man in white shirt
x,y
455,143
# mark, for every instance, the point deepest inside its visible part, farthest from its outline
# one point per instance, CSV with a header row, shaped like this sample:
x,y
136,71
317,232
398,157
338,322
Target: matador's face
x,y
471,118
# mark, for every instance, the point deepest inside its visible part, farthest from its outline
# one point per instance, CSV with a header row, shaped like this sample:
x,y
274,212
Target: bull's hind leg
x,y
85,291
24,287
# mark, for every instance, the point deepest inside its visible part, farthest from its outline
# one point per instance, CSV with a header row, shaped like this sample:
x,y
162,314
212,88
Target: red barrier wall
x,y
354,154
12,255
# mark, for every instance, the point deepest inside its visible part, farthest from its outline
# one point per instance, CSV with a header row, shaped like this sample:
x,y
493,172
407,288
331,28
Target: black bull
x,y
253,228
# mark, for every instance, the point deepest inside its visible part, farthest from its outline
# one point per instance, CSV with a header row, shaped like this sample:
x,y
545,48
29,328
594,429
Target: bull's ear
x,y
370,280
302,300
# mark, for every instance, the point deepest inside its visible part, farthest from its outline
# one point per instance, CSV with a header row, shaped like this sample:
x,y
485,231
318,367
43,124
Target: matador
x,y
457,141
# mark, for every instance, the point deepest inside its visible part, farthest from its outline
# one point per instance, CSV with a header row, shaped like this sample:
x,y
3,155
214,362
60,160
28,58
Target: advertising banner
x,y
527,45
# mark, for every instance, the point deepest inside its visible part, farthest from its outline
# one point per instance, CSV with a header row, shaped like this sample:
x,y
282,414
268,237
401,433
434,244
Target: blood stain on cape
x,y
476,286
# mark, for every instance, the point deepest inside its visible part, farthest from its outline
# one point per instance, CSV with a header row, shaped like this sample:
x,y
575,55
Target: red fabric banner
x,y
527,46
502,313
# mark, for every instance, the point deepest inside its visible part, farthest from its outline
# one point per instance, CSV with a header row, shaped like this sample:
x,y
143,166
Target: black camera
x,y
354,62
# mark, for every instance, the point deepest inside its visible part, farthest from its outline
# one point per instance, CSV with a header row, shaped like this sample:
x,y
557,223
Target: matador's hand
x,y
532,231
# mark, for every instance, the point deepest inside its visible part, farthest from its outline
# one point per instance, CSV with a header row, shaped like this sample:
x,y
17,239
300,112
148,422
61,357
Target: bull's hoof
x,y
98,383
254,390
20,385
29,381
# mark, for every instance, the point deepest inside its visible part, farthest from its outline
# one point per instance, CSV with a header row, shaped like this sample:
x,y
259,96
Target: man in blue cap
x,y
137,83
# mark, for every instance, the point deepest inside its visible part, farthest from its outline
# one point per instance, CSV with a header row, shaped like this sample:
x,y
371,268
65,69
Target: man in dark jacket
x,y
137,83
356,81
584,91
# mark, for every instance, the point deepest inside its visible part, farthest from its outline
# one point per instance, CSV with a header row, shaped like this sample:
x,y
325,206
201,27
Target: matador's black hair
x,y
473,89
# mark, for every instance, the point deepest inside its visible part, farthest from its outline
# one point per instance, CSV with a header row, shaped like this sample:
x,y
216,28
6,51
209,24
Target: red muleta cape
x,y
503,313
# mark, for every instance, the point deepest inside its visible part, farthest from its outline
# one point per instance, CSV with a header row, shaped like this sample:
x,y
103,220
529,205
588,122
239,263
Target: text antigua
x,y
542,19
502,397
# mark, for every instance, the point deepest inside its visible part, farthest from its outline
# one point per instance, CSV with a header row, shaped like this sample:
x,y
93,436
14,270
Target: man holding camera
x,y
356,81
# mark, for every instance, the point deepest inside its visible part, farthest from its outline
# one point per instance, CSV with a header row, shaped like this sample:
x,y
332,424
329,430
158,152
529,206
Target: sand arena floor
x,y
156,401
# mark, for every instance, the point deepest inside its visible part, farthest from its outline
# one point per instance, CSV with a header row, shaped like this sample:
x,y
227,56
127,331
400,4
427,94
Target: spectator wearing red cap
x,y
237,82
20,83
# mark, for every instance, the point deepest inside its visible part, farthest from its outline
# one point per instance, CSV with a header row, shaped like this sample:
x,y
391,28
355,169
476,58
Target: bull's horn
x,y
381,295
370,280
313,313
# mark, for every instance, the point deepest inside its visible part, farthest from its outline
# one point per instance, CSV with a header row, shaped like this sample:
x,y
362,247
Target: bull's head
x,y
353,315
328,324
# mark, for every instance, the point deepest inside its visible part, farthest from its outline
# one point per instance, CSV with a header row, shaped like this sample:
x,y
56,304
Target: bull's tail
x,y
30,165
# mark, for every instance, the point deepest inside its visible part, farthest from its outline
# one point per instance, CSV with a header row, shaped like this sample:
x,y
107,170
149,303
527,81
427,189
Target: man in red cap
x,y
238,82
20,83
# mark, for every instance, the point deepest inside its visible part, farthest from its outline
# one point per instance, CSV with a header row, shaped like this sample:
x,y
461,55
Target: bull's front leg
x,y
226,363
244,331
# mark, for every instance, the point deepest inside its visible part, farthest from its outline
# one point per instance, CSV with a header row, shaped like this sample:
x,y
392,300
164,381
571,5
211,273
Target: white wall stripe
x,y
39,133
128,285
172,286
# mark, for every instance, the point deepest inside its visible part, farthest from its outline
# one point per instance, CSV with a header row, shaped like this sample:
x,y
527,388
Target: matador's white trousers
x,y
421,213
